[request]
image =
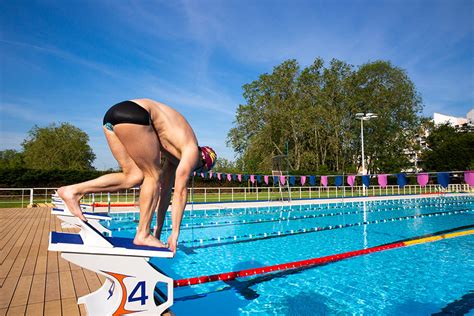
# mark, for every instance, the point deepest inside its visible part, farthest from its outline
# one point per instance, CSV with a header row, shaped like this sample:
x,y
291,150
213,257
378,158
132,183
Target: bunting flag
x,y
443,179
246,177
382,180
282,180
194,173
292,180
422,179
402,180
202,175
234,177
229,177
338,181
324,181
366,180
239,177
219,175
210,174
312,180
469,177
265,178
351,180
259,179
252,178
275,179
303,180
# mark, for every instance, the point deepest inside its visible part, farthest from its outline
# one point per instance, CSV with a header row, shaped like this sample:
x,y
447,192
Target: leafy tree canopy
x,y
449,149
10,159
61,146
313,111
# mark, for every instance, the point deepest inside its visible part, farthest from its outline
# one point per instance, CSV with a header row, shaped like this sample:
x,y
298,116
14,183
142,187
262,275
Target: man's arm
x,y
184,169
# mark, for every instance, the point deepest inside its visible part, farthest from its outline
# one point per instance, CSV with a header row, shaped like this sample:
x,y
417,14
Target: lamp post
x,y
363,117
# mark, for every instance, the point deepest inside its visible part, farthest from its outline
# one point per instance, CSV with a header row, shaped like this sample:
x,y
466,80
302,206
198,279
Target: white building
x,y
439,119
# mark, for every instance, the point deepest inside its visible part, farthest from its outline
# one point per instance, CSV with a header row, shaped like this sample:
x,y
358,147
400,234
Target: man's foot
x,y
148,240
71,200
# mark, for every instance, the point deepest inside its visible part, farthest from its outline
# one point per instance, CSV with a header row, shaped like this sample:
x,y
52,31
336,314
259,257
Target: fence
x,y
23,197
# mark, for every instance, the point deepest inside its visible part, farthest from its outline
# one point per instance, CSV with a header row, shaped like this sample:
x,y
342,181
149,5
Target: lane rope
x,y
314,261
259,236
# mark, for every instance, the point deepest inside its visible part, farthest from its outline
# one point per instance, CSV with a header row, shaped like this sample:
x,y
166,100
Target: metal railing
x,y
24,197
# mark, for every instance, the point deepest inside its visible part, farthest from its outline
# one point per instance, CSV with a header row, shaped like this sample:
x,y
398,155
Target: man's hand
x,y
173,242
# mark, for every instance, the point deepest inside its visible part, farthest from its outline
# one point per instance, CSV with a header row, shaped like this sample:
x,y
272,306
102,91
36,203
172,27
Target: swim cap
x,y
209,158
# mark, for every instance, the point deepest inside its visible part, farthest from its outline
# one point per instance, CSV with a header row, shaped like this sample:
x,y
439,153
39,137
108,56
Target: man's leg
x,y
143,146
167,182
130,176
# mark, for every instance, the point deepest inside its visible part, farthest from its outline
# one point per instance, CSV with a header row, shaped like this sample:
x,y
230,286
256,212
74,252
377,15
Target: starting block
x,y
71,221
130,277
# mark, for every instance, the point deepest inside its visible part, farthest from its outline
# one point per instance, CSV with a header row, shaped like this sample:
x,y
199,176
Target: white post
x,y
31,197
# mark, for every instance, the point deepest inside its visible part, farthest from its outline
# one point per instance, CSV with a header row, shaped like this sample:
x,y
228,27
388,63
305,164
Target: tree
x,y
449,149
57,147
10,159
312,111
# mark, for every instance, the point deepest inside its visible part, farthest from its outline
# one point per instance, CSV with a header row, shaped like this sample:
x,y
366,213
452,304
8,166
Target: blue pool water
x,y
423,279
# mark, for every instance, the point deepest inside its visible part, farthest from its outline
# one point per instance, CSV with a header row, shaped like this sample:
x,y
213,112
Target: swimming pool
x,y
419,280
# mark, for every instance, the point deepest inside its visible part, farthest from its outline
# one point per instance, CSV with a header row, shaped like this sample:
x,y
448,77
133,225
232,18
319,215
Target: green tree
x,y
57,147
386,90
449,149
10,159
313,111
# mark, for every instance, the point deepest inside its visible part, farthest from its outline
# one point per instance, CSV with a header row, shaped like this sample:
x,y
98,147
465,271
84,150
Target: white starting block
x,y
71,221
130,278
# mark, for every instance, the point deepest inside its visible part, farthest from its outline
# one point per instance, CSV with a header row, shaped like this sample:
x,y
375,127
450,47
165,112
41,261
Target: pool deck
x,y
33,280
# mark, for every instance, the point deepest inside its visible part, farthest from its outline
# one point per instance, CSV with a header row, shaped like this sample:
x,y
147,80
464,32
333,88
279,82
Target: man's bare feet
x,y
147,240
71,201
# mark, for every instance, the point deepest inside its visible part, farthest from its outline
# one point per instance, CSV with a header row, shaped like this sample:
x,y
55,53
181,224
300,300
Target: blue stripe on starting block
x,y
64,238
128,244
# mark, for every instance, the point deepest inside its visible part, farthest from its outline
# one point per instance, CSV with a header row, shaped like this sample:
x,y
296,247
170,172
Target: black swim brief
x,y
126,112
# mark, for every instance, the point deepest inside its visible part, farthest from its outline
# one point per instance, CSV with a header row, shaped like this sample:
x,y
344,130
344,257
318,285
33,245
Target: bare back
x,y
174,132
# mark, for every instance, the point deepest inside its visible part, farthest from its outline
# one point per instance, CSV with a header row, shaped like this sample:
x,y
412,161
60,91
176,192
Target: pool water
x,y
422,279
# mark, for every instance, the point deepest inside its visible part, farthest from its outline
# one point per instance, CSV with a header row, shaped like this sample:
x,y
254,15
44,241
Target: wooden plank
x,y
80,284
30,264
35,309
83,310
42,259
7,291
92,280
66,284
52,287
22,291
13,247
37,292
20,221
3,312
52,308
16,310
69,307
20,260
15,240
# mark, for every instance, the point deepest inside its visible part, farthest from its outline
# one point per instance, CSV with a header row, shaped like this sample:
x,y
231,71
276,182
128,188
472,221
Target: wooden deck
x,y
34,281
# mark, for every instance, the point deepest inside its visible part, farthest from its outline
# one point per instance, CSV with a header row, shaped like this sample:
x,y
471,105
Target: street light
x,y
364,117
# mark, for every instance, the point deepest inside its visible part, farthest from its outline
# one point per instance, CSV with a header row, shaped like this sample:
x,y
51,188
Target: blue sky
x,y
69,61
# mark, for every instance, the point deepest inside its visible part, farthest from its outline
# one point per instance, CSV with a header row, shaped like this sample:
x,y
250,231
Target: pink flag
x,y
202,175
239,176
282,180
210,174
469,177
252,178
265,178
303,180
219,175
422,179
382,179
351,180
229,177
194,173
324,181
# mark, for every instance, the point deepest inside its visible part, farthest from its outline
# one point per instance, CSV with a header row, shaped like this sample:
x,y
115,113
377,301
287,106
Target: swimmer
x,y
156,148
